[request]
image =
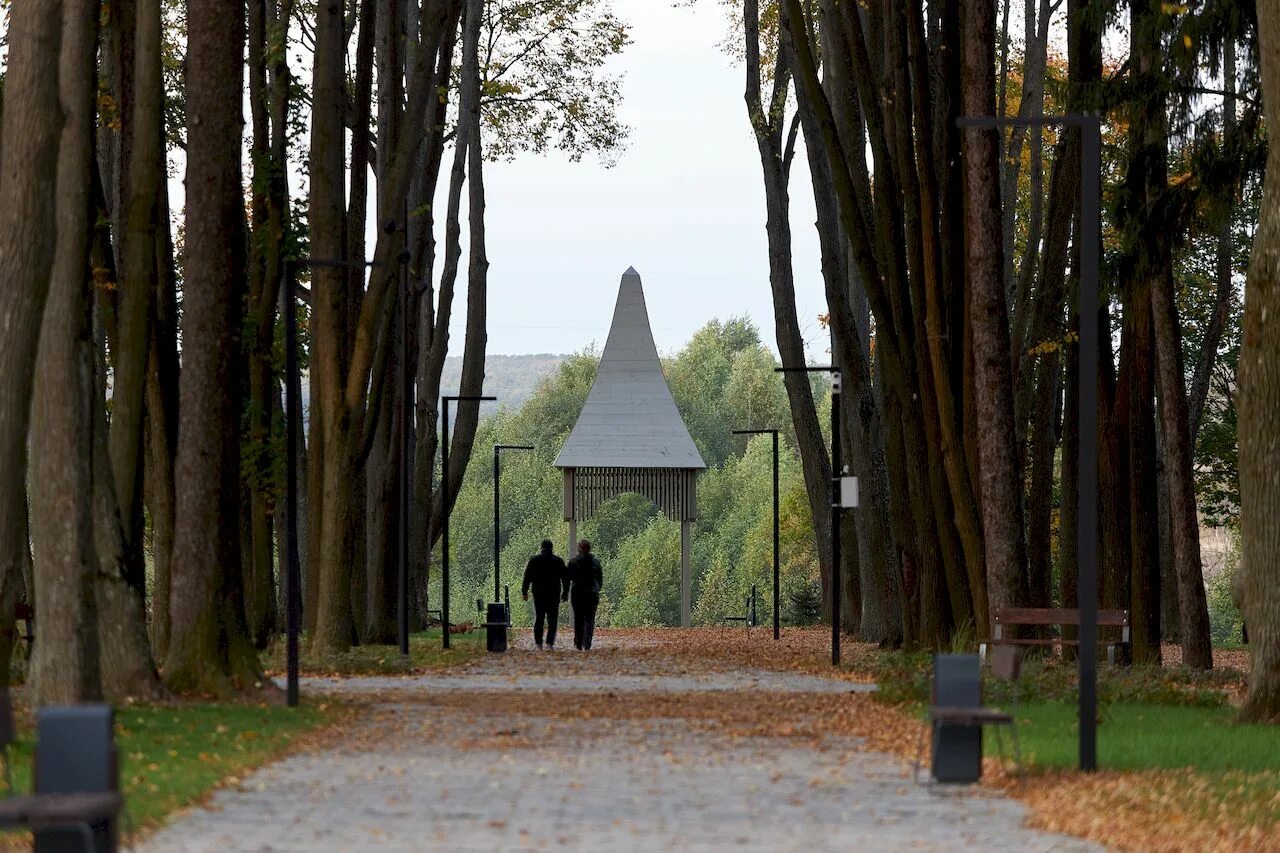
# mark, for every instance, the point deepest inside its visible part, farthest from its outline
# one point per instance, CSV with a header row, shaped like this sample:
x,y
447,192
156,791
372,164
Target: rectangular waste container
x,y
496,631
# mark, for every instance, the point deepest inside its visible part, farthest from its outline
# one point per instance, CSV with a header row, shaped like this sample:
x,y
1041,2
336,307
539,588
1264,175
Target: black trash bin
x,y
76,754
496,627
957,750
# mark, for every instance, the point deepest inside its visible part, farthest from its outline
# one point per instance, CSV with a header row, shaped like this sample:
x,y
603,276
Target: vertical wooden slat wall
x,y
672,490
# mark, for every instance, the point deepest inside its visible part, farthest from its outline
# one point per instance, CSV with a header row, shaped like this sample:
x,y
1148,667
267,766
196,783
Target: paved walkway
x,y
416,775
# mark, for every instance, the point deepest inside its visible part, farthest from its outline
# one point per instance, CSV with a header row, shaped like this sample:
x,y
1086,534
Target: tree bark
x,y
1043,443
897,227
1259,409
1193,609
257,468
1069,520
141,165
472,377
1035,28
32,128
64,665
435,337
880,585
1147,263
1000,477
162,429
768,124
333,455
382,478
1208,357
209,650
432,308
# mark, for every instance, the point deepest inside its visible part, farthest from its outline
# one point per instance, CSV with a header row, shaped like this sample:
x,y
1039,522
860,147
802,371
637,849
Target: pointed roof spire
x,y
630,419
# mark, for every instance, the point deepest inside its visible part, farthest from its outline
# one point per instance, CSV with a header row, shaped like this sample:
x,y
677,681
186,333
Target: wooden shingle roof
x,y
630,419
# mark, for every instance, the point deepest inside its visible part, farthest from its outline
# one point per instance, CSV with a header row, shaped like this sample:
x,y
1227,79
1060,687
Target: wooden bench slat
x,y
969,716
1053,641
1055,616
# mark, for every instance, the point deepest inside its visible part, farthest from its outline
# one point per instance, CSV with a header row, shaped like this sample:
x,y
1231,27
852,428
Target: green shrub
x,y
1225,621
804,604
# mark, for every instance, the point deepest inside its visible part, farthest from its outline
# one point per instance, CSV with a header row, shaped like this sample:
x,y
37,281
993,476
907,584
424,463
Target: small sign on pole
x,y
848,492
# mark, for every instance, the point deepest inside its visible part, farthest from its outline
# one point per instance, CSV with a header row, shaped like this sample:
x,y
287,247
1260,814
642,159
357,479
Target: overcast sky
x,y
683,205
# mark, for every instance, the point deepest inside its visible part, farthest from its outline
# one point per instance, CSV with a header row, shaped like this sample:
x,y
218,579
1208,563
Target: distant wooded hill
x,y
510,378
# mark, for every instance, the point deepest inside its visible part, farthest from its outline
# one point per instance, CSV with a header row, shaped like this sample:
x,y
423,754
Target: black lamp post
x,y
497,512
444,485
293,429
1090,127
777,613
837,481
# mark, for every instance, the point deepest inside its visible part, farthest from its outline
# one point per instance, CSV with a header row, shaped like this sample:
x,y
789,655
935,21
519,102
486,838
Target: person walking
x,y
587,577
546,573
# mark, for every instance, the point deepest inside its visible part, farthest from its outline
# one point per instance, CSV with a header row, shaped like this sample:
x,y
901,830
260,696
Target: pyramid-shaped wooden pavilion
x,y
630,436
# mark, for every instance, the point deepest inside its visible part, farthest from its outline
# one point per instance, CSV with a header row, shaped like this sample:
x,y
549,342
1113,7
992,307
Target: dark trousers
x,y
549,609
584,618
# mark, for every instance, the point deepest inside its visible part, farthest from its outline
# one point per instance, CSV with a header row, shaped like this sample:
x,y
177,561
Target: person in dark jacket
x,y
587,577
545,573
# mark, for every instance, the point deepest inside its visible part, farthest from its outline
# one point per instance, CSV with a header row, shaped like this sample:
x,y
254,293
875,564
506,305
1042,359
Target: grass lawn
x,y
1147,736
425,653
171,756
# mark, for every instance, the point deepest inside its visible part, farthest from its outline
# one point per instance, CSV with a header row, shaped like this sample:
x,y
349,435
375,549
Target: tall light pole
x,y
292,431
837,499
777,613
444,485
497,512
1090,127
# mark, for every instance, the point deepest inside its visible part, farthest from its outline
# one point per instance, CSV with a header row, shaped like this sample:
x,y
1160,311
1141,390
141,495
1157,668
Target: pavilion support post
x,y
686,575
571,512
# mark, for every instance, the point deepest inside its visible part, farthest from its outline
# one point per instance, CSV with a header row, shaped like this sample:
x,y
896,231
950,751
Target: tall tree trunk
x,y
142,163
1069,520
64,665
1208,357
382,476
430,335
332,451
125,659
1000,477
1259,409
880,617
472,377
768,124
1044,441
32,128
162,428
1035,28
1146,269
357,207
209,649
1114,581
258,465
1193,609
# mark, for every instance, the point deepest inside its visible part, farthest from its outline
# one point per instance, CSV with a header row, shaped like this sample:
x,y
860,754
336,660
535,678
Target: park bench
x,y
955,701
748,617
91,815
1041,617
